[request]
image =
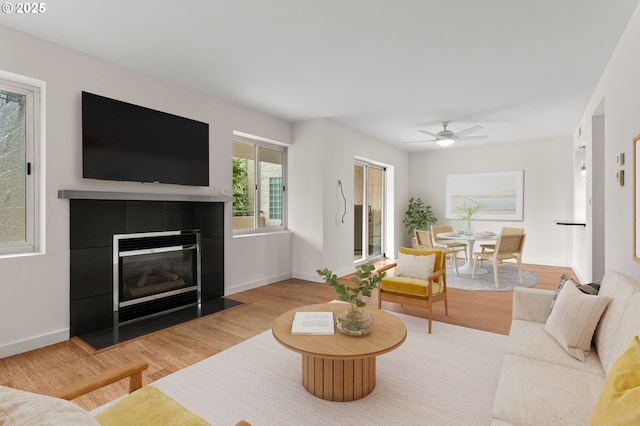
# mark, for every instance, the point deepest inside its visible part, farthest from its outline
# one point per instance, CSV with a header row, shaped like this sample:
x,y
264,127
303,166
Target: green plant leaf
x,y
418,216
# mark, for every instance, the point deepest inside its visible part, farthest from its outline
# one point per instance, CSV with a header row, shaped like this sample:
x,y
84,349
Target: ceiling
x,y
524,69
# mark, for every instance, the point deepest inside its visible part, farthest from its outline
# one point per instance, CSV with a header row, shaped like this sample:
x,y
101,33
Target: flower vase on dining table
x,y
469,230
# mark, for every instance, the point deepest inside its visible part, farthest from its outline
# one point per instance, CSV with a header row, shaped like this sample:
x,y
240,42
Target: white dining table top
x,y
463,236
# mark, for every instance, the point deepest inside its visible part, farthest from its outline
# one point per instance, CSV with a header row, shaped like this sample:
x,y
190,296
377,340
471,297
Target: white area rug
x,y
508,279
446,378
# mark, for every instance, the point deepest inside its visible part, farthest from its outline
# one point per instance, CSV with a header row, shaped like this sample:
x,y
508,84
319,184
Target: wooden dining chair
x,y
425,242
506,230
508,247
439,242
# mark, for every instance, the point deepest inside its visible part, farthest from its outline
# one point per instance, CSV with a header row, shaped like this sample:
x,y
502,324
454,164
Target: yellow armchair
x,y
409,289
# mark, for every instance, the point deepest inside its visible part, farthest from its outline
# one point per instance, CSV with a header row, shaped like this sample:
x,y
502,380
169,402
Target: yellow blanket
x,y
148,406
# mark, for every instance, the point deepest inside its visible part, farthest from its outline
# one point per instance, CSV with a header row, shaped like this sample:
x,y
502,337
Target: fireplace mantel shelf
x,y
72,194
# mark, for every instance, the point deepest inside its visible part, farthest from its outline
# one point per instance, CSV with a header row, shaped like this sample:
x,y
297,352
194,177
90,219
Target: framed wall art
x,y
500,193
636,198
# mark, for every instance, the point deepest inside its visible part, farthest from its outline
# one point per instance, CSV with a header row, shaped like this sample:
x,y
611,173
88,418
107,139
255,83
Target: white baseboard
x,y
255,284
318,279
307,277
33,343
546,262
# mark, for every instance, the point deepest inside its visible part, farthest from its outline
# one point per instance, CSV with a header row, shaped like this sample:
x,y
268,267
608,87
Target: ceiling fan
x,y
447,137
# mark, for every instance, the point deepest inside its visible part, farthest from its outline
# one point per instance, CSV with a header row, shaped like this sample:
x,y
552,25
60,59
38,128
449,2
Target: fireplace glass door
x,y
153,274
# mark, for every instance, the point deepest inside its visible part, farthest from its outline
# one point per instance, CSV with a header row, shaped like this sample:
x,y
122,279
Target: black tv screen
x,y
126,142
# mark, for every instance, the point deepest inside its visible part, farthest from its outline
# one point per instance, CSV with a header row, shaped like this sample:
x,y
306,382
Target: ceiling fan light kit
x,y
445,142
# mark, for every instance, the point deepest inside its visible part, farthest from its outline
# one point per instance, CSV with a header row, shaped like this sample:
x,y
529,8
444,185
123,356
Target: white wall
x,y
34,290
619,88
307,163
547,190
323,148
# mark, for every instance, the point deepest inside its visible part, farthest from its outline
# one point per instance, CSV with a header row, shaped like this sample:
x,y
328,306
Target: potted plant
x,y
418,216
468,214
355,321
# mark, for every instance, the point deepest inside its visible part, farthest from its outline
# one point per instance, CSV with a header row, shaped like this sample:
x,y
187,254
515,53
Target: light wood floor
x,y
170,350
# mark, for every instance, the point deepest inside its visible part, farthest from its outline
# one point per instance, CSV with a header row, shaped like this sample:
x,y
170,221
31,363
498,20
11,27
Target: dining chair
x,y
425,242
507,247
439,242
506,230
415,286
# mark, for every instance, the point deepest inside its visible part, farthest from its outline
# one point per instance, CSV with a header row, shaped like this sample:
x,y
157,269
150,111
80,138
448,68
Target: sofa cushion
x,y
620,288
406,285
530,340
532,392
620,397
574,318
628,329
25,408
532,304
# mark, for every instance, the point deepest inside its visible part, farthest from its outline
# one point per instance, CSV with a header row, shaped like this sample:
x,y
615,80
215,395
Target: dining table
x,y
470,240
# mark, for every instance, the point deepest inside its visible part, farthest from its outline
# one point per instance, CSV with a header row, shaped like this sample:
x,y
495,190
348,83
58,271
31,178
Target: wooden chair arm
x,y
436,275
387,267
74,390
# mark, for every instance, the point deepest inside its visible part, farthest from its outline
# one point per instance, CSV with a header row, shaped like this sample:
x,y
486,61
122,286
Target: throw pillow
x,y
563,280
574,319
25,408
620,396
412,266
591,288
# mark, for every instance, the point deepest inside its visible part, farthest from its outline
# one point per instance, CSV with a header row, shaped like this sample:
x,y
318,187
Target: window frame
x,y
34,90
257,144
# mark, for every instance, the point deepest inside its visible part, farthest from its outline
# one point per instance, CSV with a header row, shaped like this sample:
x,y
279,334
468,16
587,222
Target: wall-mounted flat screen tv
x,y
126,142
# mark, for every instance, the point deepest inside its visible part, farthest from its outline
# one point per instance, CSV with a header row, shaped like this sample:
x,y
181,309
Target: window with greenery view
x,y
19,141
258,186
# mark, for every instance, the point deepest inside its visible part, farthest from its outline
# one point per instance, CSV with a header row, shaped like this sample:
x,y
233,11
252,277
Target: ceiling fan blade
x,y
463,133
419,141
430,134
473,138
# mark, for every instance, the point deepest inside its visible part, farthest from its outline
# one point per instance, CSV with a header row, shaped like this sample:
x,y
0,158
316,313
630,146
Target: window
x,y
258,186
20,133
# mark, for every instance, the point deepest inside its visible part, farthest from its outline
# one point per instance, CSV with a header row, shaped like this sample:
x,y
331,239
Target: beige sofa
x,y
540,383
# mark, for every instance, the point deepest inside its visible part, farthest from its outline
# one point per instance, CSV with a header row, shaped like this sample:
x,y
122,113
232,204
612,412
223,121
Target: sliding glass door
x,y
368,209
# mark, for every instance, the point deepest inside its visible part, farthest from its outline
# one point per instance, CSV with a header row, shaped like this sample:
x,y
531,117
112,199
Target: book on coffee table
x,y
316,323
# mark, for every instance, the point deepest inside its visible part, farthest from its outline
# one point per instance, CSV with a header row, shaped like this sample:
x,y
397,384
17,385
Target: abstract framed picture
x,y
501,195
636,198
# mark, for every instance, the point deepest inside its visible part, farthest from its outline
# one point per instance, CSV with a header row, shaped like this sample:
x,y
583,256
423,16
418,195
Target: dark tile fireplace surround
x,y
95,217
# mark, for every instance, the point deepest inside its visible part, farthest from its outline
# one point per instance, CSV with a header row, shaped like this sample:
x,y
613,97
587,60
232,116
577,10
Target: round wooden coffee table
x,y
340,367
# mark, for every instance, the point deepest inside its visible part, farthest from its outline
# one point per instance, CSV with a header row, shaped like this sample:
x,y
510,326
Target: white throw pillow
x,y
574,318
25,408
412,266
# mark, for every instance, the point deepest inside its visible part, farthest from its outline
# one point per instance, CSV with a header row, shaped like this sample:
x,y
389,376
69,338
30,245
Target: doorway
x,y
597,200
368,205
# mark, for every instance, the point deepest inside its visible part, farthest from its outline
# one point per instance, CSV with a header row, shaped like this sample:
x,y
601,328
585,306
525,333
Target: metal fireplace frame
x,y
152,305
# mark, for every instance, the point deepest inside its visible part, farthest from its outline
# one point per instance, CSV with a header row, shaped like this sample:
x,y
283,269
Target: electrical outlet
x,y
224,190
306,261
